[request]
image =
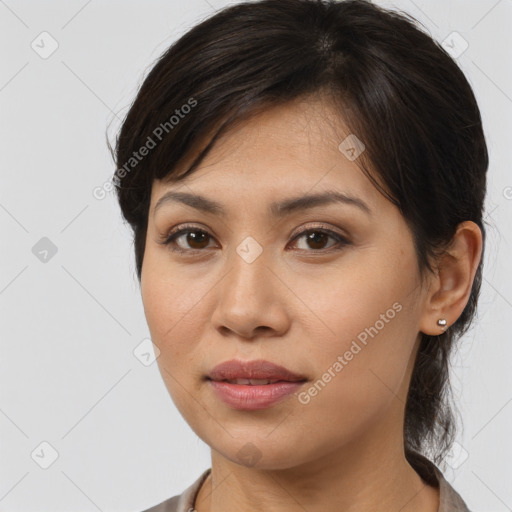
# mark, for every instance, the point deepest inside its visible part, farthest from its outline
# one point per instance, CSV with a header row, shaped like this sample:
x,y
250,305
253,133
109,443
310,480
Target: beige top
x,y
449,499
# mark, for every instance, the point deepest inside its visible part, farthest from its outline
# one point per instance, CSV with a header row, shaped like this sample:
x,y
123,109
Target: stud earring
x,y
442,323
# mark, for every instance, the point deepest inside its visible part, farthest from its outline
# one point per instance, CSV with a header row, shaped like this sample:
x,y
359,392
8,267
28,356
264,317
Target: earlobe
x,y
450,288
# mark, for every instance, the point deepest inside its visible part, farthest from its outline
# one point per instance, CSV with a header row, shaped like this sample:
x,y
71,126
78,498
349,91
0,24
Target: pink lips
x,y
258,396
255,369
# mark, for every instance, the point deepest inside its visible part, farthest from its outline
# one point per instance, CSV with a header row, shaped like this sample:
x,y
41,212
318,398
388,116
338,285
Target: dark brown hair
x,y
393,86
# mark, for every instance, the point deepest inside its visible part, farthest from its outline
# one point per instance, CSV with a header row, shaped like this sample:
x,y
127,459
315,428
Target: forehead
x,y
287,149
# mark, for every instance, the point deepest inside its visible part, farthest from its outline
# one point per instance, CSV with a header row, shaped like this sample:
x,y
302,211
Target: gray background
x,y
73,374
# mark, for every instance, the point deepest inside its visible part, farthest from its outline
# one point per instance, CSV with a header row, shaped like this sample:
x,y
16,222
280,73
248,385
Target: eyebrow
x,y
277,209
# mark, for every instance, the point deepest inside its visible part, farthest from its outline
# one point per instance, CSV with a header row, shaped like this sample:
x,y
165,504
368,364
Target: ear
x,y
450,287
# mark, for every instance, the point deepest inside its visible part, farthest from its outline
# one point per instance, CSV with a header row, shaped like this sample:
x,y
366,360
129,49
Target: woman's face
x,y
344,312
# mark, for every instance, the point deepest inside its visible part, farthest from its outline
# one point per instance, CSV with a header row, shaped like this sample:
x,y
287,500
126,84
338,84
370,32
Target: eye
x,y
195,237
317,237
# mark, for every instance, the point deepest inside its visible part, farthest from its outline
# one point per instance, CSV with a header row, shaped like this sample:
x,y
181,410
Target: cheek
x,y
177,306
342,302
172,301
365,313
173,306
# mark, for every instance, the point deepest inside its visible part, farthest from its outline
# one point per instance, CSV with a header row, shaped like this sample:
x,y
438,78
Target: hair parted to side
x,y
393,86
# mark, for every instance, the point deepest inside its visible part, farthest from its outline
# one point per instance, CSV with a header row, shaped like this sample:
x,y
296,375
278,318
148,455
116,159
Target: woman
x,y
305,180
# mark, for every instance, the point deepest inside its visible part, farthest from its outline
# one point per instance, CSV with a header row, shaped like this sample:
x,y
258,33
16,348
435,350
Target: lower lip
x,y
249,398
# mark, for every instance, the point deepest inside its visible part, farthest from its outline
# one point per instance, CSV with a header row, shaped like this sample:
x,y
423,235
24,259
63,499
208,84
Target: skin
x,y
299,304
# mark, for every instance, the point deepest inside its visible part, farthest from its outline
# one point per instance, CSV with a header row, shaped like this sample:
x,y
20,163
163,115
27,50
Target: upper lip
x,y
255,369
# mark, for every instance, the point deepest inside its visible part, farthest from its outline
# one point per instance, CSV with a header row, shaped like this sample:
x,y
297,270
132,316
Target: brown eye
x,y
190,239
196,239
316,239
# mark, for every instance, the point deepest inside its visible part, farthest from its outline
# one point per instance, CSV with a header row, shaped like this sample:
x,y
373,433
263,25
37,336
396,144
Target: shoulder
x,y
183,502
449,499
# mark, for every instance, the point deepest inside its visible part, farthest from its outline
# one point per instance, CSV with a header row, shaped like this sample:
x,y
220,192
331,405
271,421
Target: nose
x,y
251,300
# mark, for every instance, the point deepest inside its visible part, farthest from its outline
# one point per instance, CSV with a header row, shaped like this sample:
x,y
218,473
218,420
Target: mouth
x,y
255,382
257,372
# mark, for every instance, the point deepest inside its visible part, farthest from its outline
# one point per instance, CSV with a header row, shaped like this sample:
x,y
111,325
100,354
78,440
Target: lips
x,y
253,373
252,382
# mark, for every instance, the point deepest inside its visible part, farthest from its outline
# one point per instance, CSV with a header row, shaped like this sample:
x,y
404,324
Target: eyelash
x,y
171,237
